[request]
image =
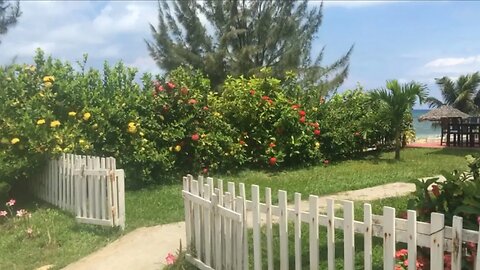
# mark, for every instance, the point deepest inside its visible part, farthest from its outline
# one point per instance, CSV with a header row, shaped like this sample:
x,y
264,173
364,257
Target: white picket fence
x,y
217,234
89,187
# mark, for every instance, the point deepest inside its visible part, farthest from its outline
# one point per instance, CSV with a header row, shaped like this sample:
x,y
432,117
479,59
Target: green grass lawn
x,y
59,240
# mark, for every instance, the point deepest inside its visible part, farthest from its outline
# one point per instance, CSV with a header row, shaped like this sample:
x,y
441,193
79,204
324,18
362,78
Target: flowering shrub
x,y
170,124
20,217
272,128
401,260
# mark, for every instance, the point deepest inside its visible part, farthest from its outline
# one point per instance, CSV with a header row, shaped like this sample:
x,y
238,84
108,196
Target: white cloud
x,y
111,31
454,61
144,64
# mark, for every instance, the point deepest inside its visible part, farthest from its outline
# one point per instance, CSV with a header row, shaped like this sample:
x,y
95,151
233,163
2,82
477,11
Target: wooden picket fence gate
x,y
217,233
87,186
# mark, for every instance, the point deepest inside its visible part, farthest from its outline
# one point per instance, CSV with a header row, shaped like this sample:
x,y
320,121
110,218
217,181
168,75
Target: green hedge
x,y
157,125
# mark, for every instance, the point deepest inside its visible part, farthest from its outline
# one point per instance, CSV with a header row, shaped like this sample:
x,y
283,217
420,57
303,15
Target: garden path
x,y
146,248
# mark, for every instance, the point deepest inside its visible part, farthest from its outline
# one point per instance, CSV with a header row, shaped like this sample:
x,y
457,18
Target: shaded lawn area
x,y
59,240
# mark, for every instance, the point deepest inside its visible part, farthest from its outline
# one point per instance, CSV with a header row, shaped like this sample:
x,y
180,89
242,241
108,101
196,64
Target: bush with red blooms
x,y
273,128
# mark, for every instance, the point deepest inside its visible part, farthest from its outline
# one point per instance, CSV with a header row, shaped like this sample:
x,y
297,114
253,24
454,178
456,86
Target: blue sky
x,y
405,40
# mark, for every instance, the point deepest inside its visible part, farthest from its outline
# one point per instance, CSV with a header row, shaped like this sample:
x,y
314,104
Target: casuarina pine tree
x,y
234,37
9,12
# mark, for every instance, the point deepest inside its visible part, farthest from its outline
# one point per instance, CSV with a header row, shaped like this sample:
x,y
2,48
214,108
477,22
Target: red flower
x,y
195,137
192,101
326,162
252,92
241,142
400,254
205,170
184,91
435,190
302,119
301,113
171,85
315,125
316,132
272,145
295,106
205,108
265,98
447,261
159,88
272,161
270,101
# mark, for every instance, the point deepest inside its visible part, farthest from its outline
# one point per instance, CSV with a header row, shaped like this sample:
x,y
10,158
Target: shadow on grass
x,y
459,152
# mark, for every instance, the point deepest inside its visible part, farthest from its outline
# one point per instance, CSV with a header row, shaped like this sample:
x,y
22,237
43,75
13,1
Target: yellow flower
x,y
132,128
72,114
33,68
317,145
86,116
178,148
15,140
142,134
48,79
81,141
48,84
41,121
55,124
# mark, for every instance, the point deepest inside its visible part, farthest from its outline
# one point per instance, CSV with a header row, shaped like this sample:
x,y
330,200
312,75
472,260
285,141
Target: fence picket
x,y
196,219
241,190
367,236
412,239
298,232
348,236
257,249
331,234
436,241
283,227
457,243
228,232
240,203
388,237
268,225
218,232
208,227
313,227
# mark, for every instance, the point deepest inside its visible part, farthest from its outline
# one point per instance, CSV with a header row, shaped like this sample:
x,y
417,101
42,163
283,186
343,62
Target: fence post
x,y
436,241
389,238
331,234
268,202
298,232
283,226
367,236
348,236
257,249
313,203
457,227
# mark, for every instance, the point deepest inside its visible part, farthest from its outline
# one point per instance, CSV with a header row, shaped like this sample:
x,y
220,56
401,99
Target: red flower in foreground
x,y
326,162
301,113
171,85
272,161
317,132
252,92
192,101
302,119
400,254
159,88
205,108
272,145
265,98
295,106
170,259
241,142
184,91
195,137
205,170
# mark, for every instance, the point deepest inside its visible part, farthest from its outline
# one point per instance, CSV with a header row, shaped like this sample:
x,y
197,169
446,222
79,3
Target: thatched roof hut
x,y
441,112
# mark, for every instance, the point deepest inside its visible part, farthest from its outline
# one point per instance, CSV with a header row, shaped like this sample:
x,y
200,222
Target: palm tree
x,y
398,100
463,94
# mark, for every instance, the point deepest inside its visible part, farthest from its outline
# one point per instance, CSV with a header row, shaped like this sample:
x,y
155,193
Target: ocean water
x,y
424,129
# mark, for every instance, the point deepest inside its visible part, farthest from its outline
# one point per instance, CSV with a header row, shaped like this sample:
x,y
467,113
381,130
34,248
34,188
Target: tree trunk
x,y
398,145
